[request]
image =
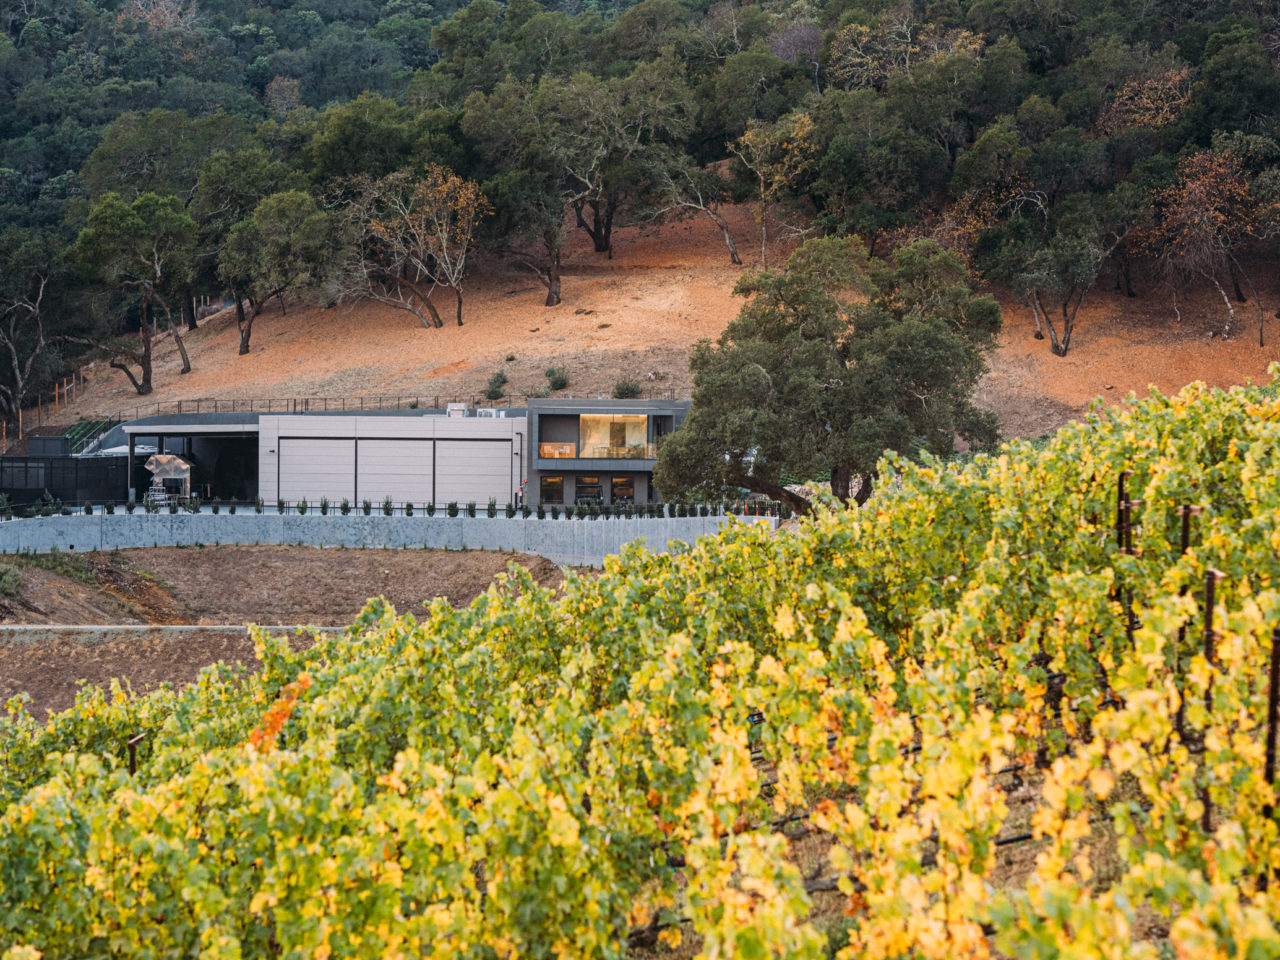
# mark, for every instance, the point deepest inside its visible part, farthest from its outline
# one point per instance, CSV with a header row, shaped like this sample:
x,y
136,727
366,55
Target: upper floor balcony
x,y
567,450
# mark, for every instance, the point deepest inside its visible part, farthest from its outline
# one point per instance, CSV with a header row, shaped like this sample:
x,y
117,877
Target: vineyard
x,y
1068,650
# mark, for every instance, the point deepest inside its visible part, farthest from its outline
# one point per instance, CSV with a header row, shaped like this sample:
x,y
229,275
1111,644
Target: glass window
x,y
624,490
615,436
551,490
589,490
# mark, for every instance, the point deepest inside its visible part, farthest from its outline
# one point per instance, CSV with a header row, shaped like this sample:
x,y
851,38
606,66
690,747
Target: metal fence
x,y
339,404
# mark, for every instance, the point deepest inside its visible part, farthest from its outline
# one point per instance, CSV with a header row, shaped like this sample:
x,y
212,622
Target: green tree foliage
x,y
288,243
161,152
956,120
831,362
144,246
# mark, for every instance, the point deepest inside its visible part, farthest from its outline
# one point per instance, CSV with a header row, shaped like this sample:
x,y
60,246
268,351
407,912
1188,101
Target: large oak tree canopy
x,y
831,362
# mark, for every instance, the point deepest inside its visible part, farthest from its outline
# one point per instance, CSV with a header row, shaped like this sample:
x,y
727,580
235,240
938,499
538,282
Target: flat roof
x,y
246,422
240,422
194,423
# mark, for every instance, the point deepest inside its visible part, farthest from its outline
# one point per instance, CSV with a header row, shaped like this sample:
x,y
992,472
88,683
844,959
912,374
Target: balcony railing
x,y
557,451
598,451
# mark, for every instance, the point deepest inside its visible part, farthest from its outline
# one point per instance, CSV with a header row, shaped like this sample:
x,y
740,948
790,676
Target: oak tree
x,y
412,235
145,246
831,362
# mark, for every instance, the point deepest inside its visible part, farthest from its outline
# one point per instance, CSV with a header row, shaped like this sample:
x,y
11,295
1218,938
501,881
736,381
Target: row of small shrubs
x,y
581,511
557,379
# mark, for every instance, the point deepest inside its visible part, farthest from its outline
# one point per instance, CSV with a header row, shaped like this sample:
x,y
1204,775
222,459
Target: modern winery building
x,y
553,450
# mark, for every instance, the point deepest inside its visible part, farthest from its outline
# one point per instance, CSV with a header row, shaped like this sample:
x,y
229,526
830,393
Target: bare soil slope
x,y
213,585
637,316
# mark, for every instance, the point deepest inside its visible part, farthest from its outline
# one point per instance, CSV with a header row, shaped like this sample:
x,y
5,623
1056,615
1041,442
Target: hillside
x,y
967,722
638,315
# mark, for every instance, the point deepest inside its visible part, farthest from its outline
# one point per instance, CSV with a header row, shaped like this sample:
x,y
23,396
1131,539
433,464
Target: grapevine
x,y
636,761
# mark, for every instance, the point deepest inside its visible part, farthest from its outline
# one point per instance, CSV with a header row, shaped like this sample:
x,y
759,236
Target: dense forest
x,y
158,154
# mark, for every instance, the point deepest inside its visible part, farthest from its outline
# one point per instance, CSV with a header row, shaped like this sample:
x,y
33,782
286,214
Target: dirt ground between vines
x,y
637,316
212,585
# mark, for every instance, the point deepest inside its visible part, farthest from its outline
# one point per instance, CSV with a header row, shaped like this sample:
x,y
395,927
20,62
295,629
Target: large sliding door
x,y
313,467
399,469
474,470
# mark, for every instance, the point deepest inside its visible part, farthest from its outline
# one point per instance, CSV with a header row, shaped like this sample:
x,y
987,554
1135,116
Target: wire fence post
x,y
1212,578
132,744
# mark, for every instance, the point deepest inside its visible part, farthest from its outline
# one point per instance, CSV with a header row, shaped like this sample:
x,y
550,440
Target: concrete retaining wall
x,y
576,542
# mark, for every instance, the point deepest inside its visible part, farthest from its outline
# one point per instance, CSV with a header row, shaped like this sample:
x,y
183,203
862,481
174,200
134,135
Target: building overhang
x,y
189,429
585,465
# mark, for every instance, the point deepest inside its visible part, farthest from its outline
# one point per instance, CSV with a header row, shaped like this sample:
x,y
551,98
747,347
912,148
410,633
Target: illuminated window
x,y
589,490
614,436
623,490
551,490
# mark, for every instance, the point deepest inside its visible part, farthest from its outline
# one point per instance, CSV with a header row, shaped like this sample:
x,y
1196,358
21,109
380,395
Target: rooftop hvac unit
x,y
456,410
490,412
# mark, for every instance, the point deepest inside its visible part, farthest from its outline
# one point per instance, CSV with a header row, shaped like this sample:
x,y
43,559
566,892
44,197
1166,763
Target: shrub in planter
x,y
387,507
367,507
525,510
542,510
431,509
88,509
258,504
302,505
408,509
214,506
595,511
511,510
110,507
703,510
279,506
555,511
345,507
231,507
569,510
453,508
192,504
6,508
492,509
471,508
324,506
606,510
130,506
173,506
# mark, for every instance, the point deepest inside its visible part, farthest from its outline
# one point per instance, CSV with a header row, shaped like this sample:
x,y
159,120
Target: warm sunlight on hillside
x,y
638,315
